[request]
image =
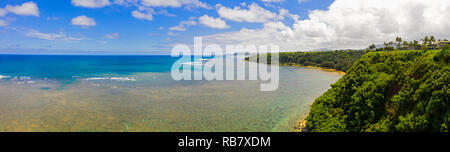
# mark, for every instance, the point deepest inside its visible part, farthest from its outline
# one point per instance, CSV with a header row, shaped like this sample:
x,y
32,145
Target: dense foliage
x,y
339,60
385,91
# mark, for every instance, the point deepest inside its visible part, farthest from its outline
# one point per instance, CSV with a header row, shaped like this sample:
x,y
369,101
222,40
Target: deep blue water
x,y
66,67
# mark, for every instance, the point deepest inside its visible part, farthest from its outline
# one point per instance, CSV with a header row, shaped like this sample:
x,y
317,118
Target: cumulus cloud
x,y
26,9
349,24
83,21
302,1
126,2
143,13
272,1
91,3
285,13
51,36
112,36
174,3
213,22
254,13
183,24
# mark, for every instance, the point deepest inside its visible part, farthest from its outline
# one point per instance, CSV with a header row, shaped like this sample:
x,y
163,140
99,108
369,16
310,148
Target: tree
x,y
405,44
372,47
432,39
415,44
399,41
425,42
425,39
387,91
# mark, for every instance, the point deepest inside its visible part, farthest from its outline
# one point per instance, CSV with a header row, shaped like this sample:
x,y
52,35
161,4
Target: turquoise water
x,y
68,67
137,93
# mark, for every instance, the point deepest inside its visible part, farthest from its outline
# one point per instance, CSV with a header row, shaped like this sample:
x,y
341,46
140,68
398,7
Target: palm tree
x,y
372,47
432,39
431,42
415,44
405,44
399,41
425,39
391,43
425,42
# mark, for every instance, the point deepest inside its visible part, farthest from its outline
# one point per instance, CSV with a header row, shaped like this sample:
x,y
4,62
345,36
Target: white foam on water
x,y
2,76
112,78
123,79
21,78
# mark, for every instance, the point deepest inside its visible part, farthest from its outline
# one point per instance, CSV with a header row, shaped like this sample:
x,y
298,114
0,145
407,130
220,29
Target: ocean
x,y
137,93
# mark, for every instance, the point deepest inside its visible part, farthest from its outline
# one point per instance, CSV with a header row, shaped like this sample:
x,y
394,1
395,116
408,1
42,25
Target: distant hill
x,y
383,91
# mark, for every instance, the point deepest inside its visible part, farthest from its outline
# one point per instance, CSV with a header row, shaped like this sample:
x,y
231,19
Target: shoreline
x,y
301,125
313,67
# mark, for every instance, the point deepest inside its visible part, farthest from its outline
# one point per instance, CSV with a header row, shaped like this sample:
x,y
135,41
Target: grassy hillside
x,y
388,91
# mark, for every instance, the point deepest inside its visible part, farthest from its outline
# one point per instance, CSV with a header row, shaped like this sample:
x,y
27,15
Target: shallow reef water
x,y
133,94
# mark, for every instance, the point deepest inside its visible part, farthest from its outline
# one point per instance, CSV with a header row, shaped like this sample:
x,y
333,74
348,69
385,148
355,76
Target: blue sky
x,y
154,26
133,34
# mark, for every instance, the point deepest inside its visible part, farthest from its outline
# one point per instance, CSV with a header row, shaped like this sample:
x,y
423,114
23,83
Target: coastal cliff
x,y
388,91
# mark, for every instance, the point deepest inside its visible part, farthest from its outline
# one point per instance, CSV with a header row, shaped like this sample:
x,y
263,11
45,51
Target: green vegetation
x,y
385,91
402,86
342,60
428,43
339,60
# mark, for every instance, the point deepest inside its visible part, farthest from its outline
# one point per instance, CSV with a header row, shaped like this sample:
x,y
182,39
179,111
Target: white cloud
x,y
126,2
170,33
51,36
112,36
177,28
3,23
302,1
285,13
349,24
254,14
272,1
26,9
213,22
183,24
143,13
3,12
174,3
91,3
83,21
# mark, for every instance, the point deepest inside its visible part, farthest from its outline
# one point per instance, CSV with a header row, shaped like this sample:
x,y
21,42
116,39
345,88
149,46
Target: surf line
x,y
191,142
